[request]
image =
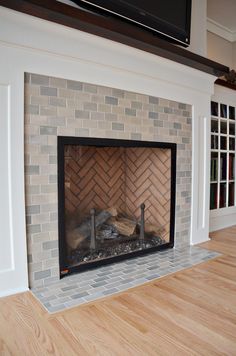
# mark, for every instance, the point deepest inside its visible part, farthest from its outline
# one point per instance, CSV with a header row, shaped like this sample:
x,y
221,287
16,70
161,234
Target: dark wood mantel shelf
x,y
113,29
223,83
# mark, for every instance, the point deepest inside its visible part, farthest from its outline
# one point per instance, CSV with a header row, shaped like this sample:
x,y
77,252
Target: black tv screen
x,y
171,19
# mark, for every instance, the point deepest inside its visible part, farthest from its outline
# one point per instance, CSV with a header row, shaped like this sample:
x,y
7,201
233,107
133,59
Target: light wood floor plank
x,y
192,312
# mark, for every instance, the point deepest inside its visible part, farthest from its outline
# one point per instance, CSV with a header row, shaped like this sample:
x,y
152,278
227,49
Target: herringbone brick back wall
x,y
148,181
123,178
94,178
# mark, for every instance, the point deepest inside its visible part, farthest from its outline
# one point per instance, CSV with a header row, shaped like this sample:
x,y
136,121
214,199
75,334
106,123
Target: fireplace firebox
x,y
116,200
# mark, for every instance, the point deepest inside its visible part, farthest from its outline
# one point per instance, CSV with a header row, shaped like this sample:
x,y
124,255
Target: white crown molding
x,y
220,30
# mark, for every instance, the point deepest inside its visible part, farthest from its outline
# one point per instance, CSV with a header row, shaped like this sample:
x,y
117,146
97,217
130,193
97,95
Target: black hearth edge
x,y
62,141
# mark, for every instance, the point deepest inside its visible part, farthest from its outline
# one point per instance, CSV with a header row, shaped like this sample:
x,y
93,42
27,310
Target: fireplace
x,y
116,200
65,117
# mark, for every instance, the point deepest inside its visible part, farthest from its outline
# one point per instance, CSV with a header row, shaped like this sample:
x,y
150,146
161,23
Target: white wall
x,y
234,56
198,40
33,45
220,50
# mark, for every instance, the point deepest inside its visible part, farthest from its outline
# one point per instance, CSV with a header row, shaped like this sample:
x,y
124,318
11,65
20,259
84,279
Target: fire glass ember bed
x,y
116,200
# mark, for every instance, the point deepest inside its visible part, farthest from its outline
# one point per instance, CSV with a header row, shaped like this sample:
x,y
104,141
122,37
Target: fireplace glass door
x,y
116,199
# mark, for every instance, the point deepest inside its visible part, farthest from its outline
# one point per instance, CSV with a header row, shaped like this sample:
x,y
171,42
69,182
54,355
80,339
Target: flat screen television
x,y
170,19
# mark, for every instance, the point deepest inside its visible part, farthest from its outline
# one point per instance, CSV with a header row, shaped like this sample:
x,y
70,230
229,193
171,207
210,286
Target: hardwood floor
x,y
192,312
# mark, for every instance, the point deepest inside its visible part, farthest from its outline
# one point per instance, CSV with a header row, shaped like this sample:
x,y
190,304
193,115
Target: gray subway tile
x,y
186,140
82,114
110,291
48,149
49,245
90,88
172,132
90,106
39,79
153,276
153,100
42,274
125,286
111,117
158,123
136,105
153,267
52,178
130,112
186,113
57,82
48,130
53,216
49,91
56,308
100,279
117,126
55,253
33,189
52,159
136,136
32,109
182,106
33,209
177,126
32,169
57,101
118,93
82,132
99,284
27,78
127,280
64,289
97,115
111,100
153,115
48,110
71,84
79,295
75,302
168,110
95,296
34,229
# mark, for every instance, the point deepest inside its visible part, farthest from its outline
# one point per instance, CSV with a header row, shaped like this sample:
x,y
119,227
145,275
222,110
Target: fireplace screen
x,y
116,199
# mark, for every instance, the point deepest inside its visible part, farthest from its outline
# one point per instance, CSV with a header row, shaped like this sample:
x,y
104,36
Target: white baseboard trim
x,y
221,222
13,291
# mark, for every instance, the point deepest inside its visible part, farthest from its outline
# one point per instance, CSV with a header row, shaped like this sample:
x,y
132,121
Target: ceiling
x,y
222,18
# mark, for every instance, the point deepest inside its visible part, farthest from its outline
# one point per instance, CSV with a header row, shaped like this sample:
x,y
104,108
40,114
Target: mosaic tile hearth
x,y
91,285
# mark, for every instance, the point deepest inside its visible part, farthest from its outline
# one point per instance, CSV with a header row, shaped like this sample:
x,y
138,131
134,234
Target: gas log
x,y
83,231
155,230
124,226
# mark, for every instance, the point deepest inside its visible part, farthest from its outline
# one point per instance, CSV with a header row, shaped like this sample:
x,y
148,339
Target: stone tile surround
x,y
89,286
58,107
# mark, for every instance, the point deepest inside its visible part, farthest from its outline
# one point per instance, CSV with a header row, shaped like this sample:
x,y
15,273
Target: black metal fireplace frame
x,y
62,141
